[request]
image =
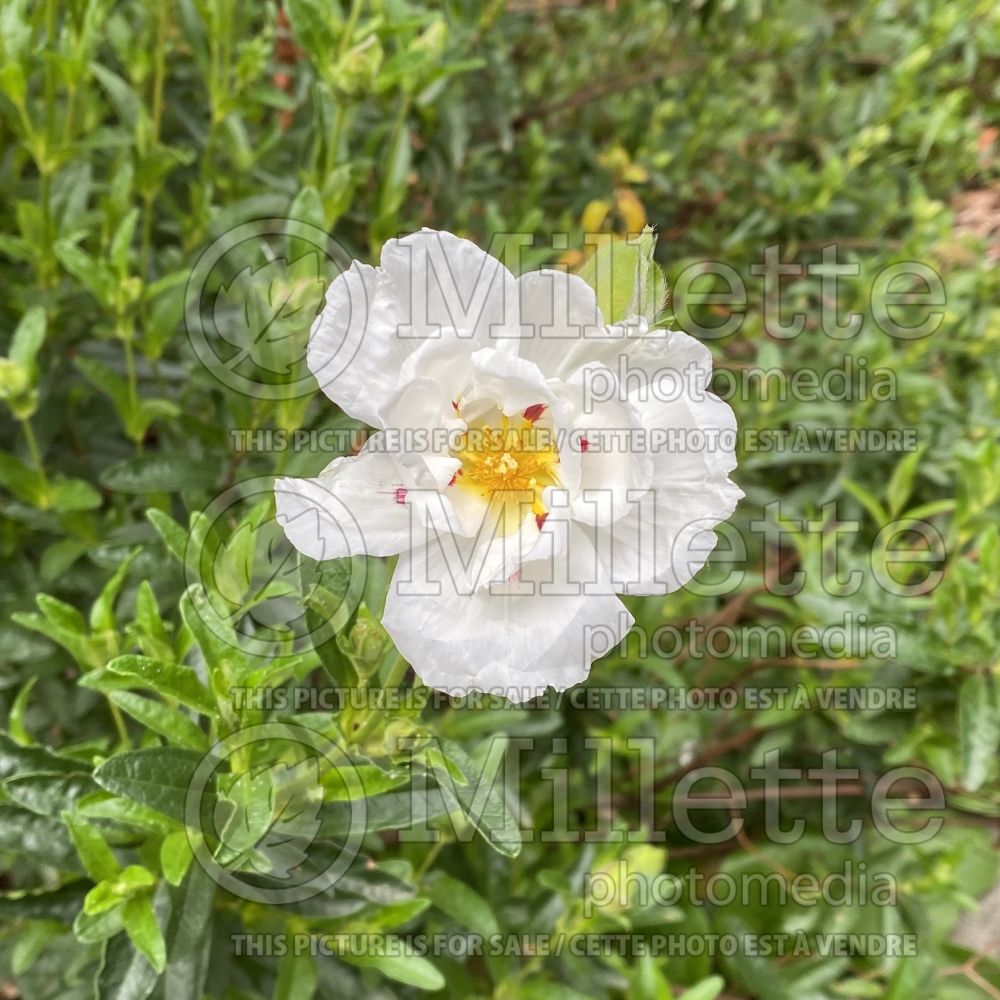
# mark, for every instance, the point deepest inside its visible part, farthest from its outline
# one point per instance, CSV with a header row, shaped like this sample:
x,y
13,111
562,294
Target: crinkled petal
x,y
431,286
354,352
667,536
541,630
364,505
440,281
615,462
561,324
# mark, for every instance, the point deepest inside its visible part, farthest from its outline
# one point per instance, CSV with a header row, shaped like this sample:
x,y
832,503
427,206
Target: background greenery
x,y
133,133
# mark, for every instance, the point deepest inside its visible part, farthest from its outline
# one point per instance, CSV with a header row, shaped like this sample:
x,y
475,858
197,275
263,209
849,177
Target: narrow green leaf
x,y
171,680
158,472
175,856
98,861
411,969
124,974
707,989
16,721
23,760
979,729
463,904
170,724
49,794
189,937
102,614
28,338
143,929
214,634
173,535
296,977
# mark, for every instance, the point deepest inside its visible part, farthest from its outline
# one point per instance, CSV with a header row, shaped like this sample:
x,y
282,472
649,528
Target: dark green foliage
x,y
136,610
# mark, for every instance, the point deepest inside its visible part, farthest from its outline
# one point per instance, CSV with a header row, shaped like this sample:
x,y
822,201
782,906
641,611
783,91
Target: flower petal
x,y
430,285
611,454
354,352
441,282
516,640
666,537
561,325
356,506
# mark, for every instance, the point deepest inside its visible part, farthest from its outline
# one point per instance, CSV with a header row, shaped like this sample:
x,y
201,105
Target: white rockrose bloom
x,y
531,462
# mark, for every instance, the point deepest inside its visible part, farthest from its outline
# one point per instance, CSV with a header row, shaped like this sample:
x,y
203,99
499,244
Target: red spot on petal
x,y
584,444
534,411
454,404
400,494
451,482
514,577
540,520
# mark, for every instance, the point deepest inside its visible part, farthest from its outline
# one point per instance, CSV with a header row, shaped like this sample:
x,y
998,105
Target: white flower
x,y
531,462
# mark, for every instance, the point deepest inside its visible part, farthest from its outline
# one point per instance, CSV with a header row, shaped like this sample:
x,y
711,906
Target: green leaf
x,y
31,943
175,856
102,805
296,977
108,381
23,760
867,500
900,485
173,535
98,861
60,556
402,965
625,278
214,634
102,614
979,729
463,904
171,680
395,174
122,241
157,777
315,25
909,978
159,473
125,974
28,338
61,904
123,98
169,723
648,981
41,838
269,816
61,614
94,927
143,929
546,989
707,989
390,811
23,482
16,721
93,274
65,625
73,494
49,794
154,639
189,936
481,796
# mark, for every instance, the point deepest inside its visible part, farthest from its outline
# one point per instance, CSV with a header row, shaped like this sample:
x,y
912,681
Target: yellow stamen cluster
x,y
509,466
